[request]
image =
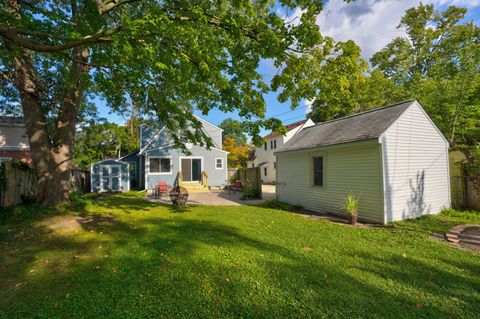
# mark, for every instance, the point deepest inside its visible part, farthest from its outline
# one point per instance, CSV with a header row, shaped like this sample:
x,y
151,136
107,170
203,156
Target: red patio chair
x,y
237,186
162,189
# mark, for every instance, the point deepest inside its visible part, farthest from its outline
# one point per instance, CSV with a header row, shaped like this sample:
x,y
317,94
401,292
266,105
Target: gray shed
x,y
110,175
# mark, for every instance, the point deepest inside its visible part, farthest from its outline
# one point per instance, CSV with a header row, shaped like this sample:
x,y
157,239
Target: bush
x,y
279,205
251,193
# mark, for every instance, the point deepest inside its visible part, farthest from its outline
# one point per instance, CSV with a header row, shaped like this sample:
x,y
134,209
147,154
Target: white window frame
x,y
160,165
223,163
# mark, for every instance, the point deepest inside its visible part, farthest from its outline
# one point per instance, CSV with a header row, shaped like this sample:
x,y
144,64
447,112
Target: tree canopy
x,y
168,58
437,62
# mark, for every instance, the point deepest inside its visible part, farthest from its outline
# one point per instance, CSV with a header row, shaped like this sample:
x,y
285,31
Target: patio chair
x,y
237,186
162,189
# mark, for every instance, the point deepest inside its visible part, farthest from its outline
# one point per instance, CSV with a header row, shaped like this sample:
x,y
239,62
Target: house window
x,y
218,163
265,171
160,165
265,146
318,171
273,144
275,165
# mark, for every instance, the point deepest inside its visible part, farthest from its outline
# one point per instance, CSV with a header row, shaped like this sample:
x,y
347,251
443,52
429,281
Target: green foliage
x,y
166,58
250,193
439,64
235,130
212,262
279,205
98,141
350,204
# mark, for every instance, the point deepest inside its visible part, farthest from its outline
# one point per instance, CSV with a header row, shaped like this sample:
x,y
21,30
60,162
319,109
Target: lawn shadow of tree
x,y
165,265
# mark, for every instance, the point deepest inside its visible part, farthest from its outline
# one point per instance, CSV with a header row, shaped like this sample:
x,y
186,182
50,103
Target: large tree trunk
x,y
51,157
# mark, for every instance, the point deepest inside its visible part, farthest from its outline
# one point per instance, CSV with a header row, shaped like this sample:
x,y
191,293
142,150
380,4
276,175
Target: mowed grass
x,y
121,257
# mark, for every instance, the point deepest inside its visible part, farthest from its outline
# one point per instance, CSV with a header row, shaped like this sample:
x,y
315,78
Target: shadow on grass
x,y
161,266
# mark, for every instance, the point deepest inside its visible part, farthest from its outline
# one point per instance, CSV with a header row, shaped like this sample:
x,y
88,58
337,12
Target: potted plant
x,y
351,208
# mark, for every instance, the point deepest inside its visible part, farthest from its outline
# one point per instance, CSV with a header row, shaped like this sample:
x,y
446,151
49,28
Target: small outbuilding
x,y
394,159
110,175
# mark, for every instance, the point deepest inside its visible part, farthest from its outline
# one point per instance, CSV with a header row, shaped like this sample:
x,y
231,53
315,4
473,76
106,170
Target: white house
x,y
264,156
393,158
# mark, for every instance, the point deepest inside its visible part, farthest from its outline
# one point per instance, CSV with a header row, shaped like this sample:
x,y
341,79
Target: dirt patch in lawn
x,y
71,223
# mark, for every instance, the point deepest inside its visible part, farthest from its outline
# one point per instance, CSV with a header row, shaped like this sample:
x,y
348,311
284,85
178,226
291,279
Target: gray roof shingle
x,y
357,127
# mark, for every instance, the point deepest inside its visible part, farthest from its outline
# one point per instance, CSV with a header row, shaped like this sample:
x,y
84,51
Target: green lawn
x,y
119,256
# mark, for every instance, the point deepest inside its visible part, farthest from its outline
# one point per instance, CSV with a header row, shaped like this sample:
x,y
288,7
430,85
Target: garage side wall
x,y
415,160
348,168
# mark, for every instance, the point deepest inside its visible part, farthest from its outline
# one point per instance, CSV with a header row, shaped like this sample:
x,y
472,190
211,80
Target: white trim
x,y
91,177
121,158
220,150
151,140
204,120
156,148
5,159
102,189
223,163
15,148
110,159
191,157
160,166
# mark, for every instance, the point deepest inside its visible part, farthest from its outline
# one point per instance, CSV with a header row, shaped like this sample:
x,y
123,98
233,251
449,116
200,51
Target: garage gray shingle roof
x,y
357,127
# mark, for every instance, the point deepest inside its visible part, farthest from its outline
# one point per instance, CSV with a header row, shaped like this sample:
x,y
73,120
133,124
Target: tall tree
x,y
439,64
238,153
103,140
233,129
168,57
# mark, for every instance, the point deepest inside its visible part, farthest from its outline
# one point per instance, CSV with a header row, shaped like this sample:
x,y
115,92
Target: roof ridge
x,y
361,113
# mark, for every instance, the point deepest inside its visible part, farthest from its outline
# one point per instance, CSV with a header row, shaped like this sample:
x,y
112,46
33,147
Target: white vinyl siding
x,y
347,168
415,160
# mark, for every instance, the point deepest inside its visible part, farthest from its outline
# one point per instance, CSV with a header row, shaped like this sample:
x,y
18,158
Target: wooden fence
x,y
19,183
466,192
250,177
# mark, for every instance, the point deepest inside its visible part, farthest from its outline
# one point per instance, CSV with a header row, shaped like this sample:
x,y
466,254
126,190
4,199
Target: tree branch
x,y
12,35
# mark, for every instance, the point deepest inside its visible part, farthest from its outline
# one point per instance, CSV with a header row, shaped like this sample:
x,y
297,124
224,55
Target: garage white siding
x,y
354,167
415,163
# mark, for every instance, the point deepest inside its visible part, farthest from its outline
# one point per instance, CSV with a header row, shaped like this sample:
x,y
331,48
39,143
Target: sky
x,y
370,23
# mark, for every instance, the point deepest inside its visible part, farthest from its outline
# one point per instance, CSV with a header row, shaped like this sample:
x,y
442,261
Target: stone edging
x,y
452,234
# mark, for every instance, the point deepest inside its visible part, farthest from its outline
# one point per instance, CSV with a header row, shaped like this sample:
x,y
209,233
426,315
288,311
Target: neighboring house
x,y
264,156
14,140
393,158
159,161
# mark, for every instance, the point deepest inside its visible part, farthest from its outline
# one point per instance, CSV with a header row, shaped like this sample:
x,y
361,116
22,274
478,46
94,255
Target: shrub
x,y
279,205
251,193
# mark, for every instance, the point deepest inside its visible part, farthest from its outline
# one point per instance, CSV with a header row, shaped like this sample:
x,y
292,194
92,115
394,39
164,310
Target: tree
x,y
233,129
104,140
439,64
238,154
166,57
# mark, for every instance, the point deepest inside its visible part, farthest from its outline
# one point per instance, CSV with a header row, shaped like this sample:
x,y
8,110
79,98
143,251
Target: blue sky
x,y
370,23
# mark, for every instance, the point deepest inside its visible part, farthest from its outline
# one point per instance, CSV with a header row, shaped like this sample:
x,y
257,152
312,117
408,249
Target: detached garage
x,y
110,175
393,158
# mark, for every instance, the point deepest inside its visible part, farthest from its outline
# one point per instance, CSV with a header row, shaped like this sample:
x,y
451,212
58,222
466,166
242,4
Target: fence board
x,y
250,178
21,181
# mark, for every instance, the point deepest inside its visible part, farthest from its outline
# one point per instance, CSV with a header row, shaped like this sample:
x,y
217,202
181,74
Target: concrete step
x,y
467,236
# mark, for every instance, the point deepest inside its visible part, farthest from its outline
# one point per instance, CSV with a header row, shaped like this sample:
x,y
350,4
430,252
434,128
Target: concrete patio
x,y
222,197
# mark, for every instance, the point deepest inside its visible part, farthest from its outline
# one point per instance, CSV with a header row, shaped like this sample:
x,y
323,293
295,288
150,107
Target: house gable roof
x,y
357,127
288,127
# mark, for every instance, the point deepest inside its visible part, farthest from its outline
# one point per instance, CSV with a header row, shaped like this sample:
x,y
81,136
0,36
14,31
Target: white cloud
x,y
308,104
371,23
